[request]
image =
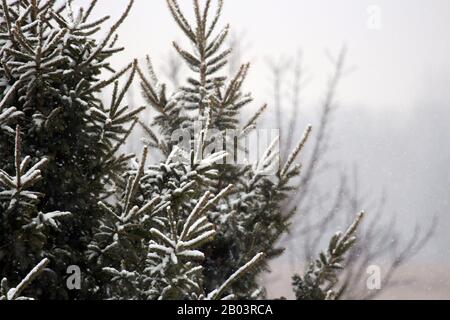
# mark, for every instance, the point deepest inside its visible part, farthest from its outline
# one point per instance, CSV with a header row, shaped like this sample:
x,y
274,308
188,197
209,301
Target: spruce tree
x,y
249,218
187,227
52,68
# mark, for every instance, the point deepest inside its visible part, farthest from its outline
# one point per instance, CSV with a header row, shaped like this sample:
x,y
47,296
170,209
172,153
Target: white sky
x,y
391,63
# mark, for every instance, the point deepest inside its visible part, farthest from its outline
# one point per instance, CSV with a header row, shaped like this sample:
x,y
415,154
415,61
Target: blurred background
x,y
373,78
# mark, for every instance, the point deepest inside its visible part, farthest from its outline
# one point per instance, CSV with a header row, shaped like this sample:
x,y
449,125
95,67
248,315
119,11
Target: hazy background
x,y
393,118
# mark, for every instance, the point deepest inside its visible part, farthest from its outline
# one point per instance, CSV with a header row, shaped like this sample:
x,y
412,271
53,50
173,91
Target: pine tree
x,y
52,69
249,218
187,227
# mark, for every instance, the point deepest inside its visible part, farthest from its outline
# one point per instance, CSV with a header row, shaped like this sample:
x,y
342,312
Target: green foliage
x,y
52,69
24,229
322,274
188,227
7,293
152,249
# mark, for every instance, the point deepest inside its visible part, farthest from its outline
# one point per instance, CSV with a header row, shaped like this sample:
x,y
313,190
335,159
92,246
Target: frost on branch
x,y
24,227
154,247
152,243
124,225
113,123
174,257
217,293
8,114
6,117
51,73
322,274
41,46
15,188
7,293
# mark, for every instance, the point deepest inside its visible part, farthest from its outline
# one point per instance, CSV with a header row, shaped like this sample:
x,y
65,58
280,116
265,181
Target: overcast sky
x,y
391,62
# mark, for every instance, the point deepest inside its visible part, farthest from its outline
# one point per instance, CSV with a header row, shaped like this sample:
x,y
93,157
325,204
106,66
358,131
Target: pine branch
x,y
15,188
14,293
216,294
296,151
321,276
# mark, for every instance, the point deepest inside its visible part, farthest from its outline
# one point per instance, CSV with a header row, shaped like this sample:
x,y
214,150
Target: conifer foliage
x,y
7,293
52,68
186,227
24,228
249,218
322,274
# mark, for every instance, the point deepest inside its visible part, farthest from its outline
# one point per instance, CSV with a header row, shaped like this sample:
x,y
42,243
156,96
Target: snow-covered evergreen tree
x,y
249,218
53,65
187,227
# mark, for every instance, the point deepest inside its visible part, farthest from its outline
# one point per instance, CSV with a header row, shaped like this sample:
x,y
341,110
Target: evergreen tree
x,y
249,218
52,69
187,227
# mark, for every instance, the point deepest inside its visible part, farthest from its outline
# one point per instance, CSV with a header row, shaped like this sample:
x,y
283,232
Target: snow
x,y
14,293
